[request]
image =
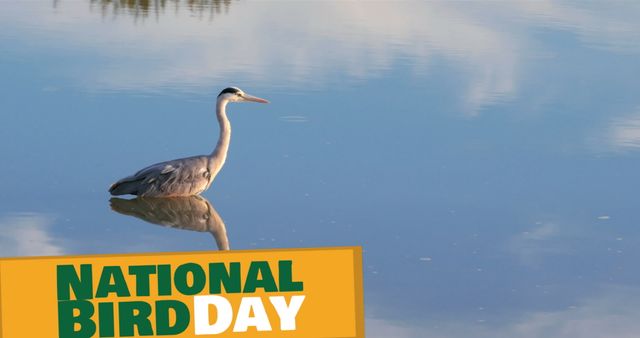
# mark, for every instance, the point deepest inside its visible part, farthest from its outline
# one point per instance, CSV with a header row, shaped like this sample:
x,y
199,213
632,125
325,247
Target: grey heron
x,y
191,175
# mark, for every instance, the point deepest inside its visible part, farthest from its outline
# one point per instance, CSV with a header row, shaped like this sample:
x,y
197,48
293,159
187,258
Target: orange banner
x,y
265,293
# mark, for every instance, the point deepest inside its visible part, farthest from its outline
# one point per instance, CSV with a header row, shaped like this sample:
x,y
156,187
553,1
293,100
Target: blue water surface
x,y
485,156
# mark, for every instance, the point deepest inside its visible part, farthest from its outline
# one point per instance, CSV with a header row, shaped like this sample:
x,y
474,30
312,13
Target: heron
x,y
191,175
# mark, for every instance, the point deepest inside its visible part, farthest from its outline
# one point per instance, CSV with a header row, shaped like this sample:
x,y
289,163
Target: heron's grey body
x,y
186,176
181,177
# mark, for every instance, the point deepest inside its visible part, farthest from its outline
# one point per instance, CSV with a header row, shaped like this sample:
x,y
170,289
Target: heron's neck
x,y
219,154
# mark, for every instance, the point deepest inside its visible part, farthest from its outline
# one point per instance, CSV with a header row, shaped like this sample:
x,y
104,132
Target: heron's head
x,y
235,94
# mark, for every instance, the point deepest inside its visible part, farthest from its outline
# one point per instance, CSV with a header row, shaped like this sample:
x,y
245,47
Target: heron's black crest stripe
x,y
229,91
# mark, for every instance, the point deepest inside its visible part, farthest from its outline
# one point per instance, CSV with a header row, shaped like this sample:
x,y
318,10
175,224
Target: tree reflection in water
x,y
144,8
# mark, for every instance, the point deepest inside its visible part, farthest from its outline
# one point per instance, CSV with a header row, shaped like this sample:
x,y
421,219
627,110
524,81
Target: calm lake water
x,y
485,156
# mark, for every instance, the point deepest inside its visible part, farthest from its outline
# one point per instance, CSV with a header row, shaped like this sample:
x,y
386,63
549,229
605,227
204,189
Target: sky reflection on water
x,y
485,153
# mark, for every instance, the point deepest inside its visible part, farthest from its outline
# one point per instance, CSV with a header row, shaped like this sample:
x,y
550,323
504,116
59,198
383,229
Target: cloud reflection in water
x,y
27,234
624,133
611,313
179,51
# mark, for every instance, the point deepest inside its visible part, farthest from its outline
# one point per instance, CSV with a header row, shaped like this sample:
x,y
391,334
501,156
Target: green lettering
x,y
181,279
285,278
105,319
181,311
67,321
260,276
132,315
68,279
164,280
218,275
119,285
142,273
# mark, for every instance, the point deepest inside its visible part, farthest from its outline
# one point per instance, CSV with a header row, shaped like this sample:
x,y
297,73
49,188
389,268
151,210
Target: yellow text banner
x,y
265,293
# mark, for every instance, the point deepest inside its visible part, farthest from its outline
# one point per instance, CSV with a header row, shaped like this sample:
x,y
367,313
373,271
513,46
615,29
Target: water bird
x,y
191,175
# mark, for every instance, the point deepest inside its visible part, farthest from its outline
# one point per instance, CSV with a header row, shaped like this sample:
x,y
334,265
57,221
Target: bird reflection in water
x,y
193,213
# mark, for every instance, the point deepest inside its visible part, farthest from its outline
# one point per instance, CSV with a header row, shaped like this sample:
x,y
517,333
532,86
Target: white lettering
x,y
201,314
286,313
260,319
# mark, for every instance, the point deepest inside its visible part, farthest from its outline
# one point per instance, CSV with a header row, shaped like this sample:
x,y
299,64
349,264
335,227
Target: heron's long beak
x,y
248,97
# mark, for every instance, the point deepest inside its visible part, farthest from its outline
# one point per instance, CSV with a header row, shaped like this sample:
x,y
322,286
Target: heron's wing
x,y
187,176
153,171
